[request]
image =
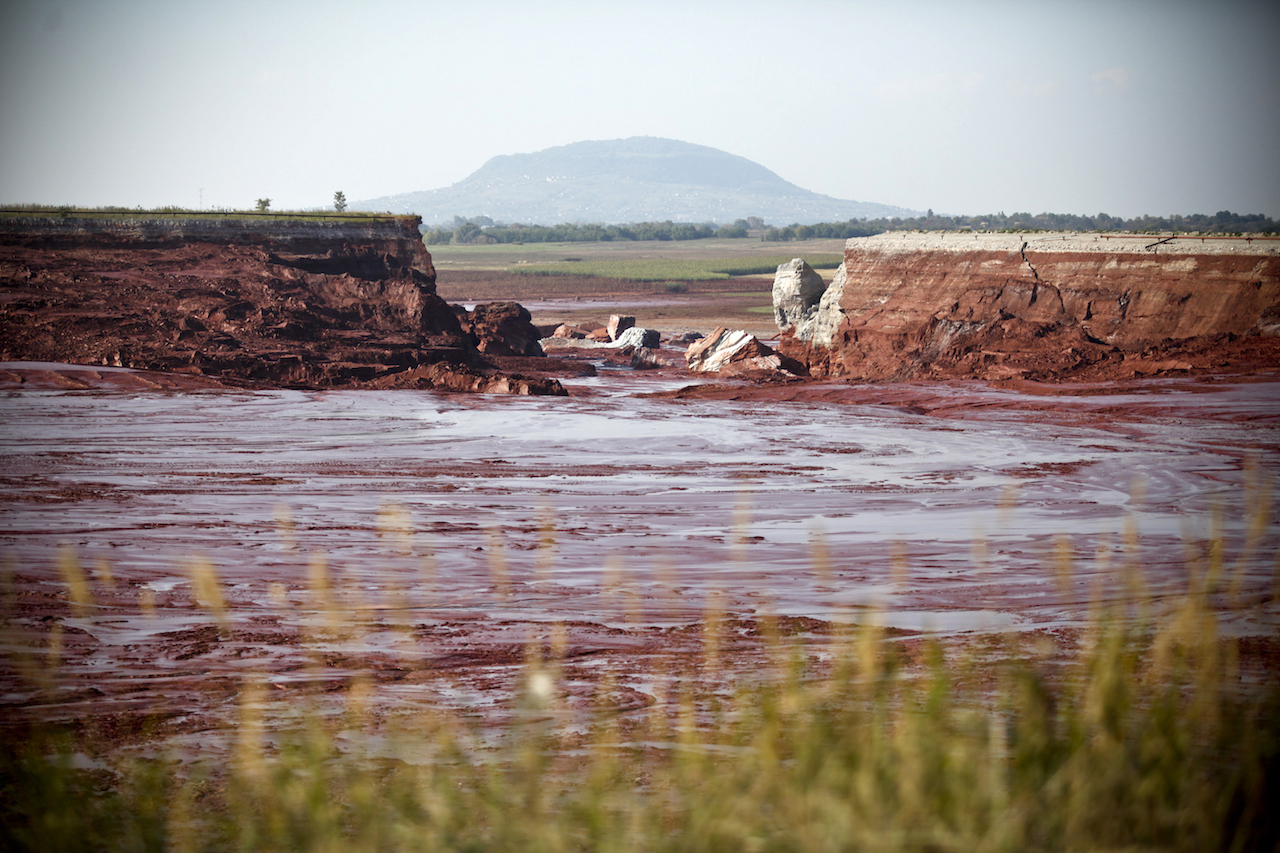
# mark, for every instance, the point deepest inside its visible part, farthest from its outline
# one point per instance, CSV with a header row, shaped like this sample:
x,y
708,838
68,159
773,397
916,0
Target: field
x,y
670,286
507,256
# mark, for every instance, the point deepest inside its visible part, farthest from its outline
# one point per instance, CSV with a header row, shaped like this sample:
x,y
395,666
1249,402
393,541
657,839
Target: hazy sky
x,y
966,107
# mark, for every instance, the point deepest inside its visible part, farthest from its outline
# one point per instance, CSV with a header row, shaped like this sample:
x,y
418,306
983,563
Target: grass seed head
x,y
74,577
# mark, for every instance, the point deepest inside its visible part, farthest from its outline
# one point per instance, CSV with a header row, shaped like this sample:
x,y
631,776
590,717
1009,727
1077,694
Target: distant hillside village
x,y
482,229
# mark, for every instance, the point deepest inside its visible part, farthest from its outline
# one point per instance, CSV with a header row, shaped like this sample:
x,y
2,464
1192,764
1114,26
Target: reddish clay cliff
x,y
298,302
1045,307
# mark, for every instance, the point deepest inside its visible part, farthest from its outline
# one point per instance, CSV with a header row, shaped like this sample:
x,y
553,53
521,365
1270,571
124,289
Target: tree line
x,y
482,229
1222,222
476,230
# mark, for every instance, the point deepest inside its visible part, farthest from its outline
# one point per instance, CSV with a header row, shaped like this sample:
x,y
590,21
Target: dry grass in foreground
x,y
1149,745
1148,740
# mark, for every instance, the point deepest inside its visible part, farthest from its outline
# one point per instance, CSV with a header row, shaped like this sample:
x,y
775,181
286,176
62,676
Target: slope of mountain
x,y
641,179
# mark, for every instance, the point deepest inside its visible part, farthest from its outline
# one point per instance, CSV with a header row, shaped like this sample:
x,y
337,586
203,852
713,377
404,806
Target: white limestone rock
x,y
737,350
797,289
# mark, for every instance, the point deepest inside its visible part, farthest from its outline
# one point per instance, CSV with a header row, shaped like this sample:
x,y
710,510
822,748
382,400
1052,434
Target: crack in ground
x,y
1027,261
1035,286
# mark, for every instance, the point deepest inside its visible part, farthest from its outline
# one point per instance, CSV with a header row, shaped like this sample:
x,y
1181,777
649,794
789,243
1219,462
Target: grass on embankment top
x,y
45,211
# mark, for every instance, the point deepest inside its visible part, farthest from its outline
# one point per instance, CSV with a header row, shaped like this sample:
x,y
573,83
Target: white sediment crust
x,y
899,242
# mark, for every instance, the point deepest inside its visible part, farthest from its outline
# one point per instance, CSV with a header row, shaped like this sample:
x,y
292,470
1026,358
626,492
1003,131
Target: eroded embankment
x,y
1044,307
303,303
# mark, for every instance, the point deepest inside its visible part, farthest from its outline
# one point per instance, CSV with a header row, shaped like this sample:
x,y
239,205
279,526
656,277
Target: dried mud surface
x,y
427,544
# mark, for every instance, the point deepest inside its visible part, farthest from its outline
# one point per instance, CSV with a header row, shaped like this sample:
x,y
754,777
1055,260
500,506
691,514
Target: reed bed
x,y
1151,734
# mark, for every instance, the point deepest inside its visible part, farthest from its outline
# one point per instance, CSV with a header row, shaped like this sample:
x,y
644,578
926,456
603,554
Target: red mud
x,y
299,305
457,532
909,307
428,543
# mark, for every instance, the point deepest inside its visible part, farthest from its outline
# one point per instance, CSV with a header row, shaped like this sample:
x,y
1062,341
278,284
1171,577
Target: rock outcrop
x,y
797,288
472,379
501,328
285,301
619,323
566,331
1036,306
725,351
646,359
638,336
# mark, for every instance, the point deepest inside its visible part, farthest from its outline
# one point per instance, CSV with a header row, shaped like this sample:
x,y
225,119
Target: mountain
x,y
641,179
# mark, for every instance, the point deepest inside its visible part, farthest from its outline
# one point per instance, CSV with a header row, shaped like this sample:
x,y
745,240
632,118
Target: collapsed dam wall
x,y
1037,306
304,303
370,247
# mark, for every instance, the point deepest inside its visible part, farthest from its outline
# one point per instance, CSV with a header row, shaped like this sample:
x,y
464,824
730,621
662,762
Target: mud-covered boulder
x,y
734,352
443,376
646,359
568,332
618,324
637,336
501,328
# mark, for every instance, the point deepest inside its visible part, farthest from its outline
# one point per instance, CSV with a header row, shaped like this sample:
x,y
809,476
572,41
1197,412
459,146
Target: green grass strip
x,y
664,269
37,211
